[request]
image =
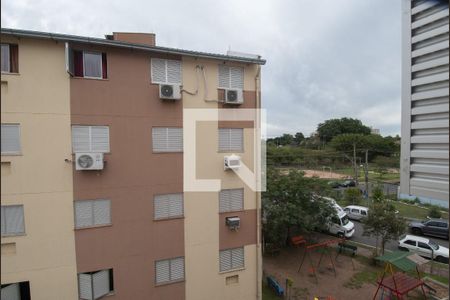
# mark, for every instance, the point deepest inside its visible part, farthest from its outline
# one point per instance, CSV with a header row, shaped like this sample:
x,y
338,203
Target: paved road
x,y
392,245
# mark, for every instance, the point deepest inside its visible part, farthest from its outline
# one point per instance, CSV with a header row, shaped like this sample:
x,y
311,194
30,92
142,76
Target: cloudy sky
x,y
325,58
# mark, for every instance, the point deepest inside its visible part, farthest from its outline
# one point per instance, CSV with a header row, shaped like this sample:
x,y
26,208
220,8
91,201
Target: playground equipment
x,y
273,284
398,283
324,248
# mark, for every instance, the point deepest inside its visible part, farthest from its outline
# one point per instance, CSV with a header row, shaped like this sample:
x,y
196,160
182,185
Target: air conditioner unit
x,y
234,96
88,161
233,223
232,162
169,92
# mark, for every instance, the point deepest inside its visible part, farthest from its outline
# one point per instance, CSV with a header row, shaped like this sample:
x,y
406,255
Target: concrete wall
x,y
205,230
38,99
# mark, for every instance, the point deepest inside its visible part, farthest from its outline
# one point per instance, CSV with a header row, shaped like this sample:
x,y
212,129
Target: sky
x,y
325,58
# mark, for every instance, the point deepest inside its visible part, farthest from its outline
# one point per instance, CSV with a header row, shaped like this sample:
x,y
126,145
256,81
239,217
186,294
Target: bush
x,y
377,194
352,196
434,212
417,201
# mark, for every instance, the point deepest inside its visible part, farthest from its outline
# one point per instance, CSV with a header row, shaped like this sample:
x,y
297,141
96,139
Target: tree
x,y
376,144
298,138
352,196
383,223
334,127
293,201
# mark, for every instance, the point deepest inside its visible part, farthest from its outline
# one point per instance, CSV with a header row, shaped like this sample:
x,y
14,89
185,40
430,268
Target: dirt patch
x,y
324,174
352,281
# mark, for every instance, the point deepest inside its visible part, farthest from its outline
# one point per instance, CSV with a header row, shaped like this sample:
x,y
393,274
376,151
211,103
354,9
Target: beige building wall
x,y
203,279
38,99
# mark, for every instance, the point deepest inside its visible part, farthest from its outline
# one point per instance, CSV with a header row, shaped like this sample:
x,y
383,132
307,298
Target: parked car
x,y
348,183
334,184
434,227
340,224
356,212
423,247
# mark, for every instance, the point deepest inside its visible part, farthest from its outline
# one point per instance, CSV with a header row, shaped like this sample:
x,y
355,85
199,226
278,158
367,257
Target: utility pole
x,y
355,165
366,173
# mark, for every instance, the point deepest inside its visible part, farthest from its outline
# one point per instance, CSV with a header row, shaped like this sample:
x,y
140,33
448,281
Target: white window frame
x,y
91,274
101,64
93,225
169,216
228,204
230,250
90,139
19,152
166,150
229,77
3,219
229,150
166,71
170,277
9,58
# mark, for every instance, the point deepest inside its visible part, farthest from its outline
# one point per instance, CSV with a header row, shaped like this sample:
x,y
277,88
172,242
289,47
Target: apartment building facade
x,y
425,102
138,232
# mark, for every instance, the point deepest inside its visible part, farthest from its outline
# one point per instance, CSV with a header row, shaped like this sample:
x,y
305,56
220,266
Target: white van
x,y
356,212
340,224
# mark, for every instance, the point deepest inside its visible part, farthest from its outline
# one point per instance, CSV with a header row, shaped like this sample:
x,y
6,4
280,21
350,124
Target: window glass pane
x,y
423,245
92,64
10,292
101,283
412,243
5,58
10,139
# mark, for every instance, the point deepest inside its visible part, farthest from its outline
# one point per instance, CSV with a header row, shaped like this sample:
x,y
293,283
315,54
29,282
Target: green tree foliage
x,y
377,194
434,212
376,144
292,201
298,138
352,196
284,140
334,127
383,223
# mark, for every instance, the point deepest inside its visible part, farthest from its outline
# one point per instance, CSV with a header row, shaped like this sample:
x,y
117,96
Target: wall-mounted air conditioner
x,y
232,162
169,92
88,161
234,96
233,223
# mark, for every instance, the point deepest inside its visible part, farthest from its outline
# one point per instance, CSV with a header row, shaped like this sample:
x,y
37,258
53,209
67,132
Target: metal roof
x,y
121,44
405,261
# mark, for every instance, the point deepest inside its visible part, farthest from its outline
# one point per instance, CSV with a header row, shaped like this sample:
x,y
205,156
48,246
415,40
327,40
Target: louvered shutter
x,y
237,258
174,139
85,286
99,138
10,138
236,199
161,206
175,205
224,139
236,139
162,269
159,137
3,220
83,213
224,203
81,139
101,283
158,67
236,78
14,220
173,71
11,292
102,212
224,76
177,269
225,260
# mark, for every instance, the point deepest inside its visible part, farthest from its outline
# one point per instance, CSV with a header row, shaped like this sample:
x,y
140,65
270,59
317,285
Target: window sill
x,y
10,73
5,236
90,78
11,154
231,151
169,282
94,226
166,152
169,218
231,211
233,270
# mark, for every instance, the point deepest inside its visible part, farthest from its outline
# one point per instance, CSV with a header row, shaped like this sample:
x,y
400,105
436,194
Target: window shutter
x,y
102,212
3,220
70,60
100,138
92,64
158,67
236,78
225,260
161,206
159,139
85,286
14,220
83,213
5,58
177,268
14,58
162,269
224,76
231,139
80,139
237,258
174,139
174,71
231,200
101,283
175,205
11,292
10,138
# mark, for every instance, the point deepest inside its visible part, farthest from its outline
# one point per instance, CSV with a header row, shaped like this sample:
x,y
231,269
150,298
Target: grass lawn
x,y
441,279
373,176
412,211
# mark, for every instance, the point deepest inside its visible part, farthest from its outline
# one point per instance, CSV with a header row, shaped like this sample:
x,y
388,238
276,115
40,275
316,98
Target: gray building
x,y
425,101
